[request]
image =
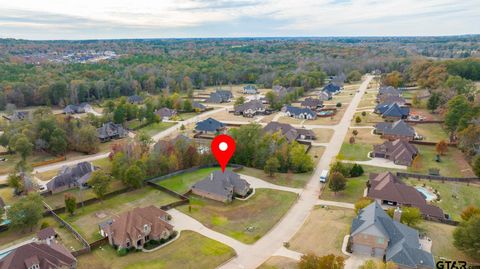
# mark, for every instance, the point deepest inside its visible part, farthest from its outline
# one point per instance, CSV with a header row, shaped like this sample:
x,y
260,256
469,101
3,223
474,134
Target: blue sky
x,y
103,19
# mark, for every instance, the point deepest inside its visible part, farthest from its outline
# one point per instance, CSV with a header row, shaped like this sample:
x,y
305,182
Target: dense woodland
x,y
152,66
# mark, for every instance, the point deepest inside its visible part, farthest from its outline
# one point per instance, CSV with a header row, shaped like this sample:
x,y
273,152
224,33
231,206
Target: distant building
x,y
300,113
135,99
210,125
390,191
324,96
199,107
110,131
18,116
250,108
250,89
47,235
395,130
289,132
222,187
220,96
132,229
373,233
281,91
399,151
392,111
312,103
388,90
39,256
166,113
332,88
71,177
77,109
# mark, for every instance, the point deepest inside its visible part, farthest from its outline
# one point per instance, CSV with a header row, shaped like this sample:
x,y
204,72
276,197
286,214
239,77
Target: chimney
x,y
397,214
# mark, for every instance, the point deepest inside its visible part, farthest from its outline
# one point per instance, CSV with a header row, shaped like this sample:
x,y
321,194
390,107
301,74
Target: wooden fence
x,y
413,122
439,178
427,143
56,160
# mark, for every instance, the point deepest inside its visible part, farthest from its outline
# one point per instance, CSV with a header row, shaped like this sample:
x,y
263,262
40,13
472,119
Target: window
x,y
380,240
145,227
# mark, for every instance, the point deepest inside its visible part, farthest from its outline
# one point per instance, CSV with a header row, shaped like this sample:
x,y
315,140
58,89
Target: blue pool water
x,y
426,193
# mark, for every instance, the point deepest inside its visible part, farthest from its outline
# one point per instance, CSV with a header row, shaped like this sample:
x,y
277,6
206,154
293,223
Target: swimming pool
x,y
428,195
325,112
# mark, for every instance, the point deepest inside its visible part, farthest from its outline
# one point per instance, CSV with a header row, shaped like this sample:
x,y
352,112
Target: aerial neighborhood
x,y
349,153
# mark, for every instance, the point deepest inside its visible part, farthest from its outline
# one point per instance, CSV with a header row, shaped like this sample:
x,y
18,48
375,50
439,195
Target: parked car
x,y
324,176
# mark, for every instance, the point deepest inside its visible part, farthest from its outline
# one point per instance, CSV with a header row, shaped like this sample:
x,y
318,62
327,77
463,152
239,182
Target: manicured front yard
x,y
355,186
191,250
454,196
442,242
452,164
284,179
323,231
246,221
86,219
182,183
355,152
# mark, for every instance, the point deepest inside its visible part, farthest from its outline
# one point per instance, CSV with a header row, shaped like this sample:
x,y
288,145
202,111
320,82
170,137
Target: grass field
x,y
370,119
442,241
454,196
452,164
355,152
57,200
7,195
182,183
355,186
431,132
11,161
86,221
323,135
190,251
279,262
246,221
335,222
284,179
155,128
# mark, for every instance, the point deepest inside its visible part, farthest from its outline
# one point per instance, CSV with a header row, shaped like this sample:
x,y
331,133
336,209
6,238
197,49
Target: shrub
x,y
358,119
44,225
364,113
122,252
356,170
339,104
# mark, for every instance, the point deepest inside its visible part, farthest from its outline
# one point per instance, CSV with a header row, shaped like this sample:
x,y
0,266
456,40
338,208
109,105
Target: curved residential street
x,y
254,255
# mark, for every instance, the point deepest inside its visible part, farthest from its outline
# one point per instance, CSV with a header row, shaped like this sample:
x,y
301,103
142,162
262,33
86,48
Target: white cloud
x,y
214,17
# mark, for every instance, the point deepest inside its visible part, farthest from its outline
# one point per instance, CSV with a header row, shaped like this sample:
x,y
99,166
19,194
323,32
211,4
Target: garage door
x,y
362,250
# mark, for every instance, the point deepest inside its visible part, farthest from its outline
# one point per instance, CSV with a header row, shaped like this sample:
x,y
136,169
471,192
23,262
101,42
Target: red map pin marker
x,y
223,147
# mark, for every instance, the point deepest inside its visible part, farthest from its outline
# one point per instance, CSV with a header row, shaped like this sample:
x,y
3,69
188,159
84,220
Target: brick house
x,y
39,256
395,130
399,152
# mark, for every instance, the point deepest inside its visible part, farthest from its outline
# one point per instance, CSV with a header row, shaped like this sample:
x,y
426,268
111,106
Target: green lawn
x,y
355,152
284,179
7,195
355,186
188,115
431,132
86,220
154,128
442,241
191,250
246,221
104,164
57,200
454,196
182,183
8,166
451,164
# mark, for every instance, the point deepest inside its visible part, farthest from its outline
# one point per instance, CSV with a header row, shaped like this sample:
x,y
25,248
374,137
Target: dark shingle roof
x,y
403,245
299,110
394,110
209,125
165,112
399,128
72,176
331,87
46,256
255,105
110,129
400,151
46,233
311,102
198,106
222,184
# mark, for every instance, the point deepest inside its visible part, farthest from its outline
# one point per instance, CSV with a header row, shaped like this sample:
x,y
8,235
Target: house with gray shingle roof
x,y
324,96
135,99
222,187
71,177
392,111
209,125
250,89
289,132
18,116
77,109
220,96
165,113
374,233
110,131
250,108
299,113
198,107
395,130
332,88
312,103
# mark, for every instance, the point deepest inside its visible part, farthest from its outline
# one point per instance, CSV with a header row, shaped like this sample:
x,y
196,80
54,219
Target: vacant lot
x,y
335,224
11,161
284,179
57,200
246,221
316,153
154,128
323,135
224,115
452,164
182,183
355,186
86,219
279,262
355,152
191,251
8,195
431,132
442,242
370,119
454,197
